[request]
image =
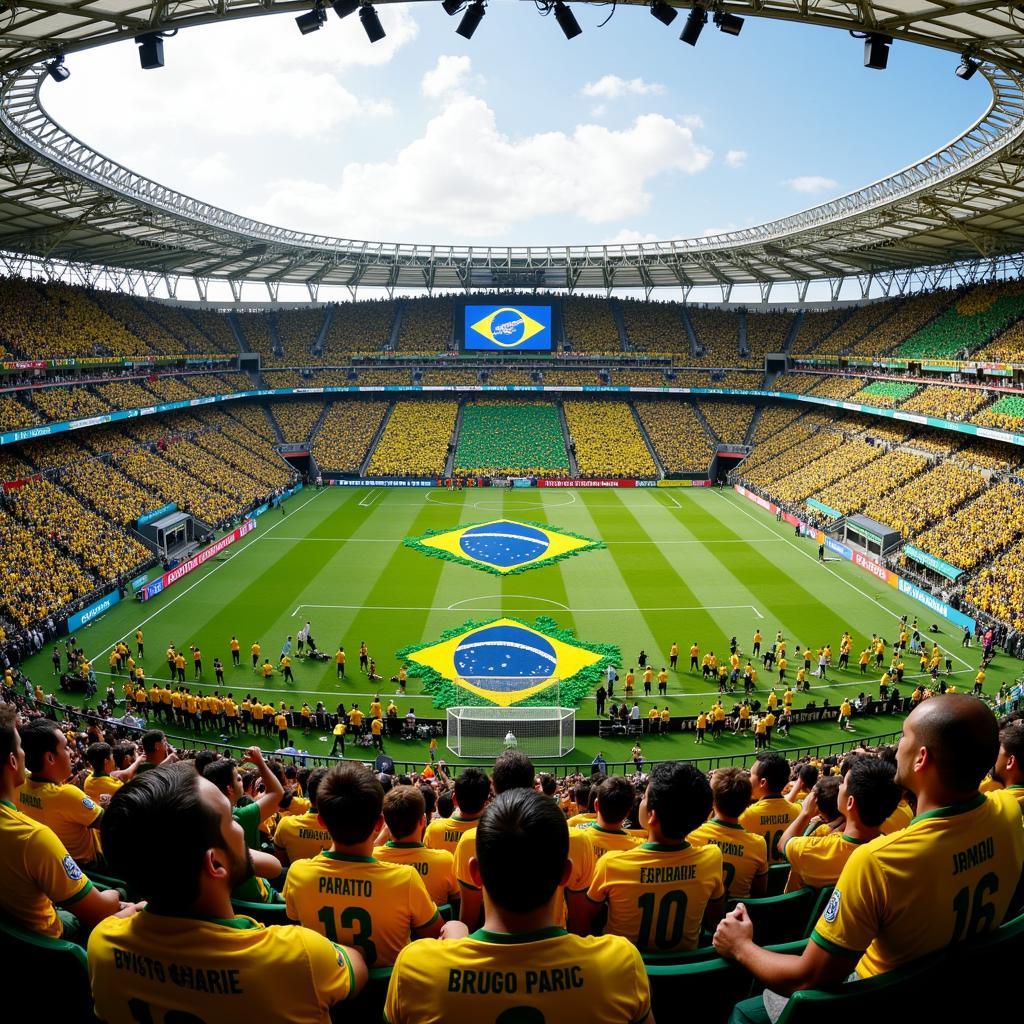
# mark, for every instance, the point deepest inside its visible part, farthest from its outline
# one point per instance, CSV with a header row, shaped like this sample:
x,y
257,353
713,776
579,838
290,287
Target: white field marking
x,y
807,554
496,504
219,565
674,500
572,611
368,499
609,543
500,597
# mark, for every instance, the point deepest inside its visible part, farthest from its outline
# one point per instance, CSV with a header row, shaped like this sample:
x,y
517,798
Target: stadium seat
x,y
779,918
108,882
818,909
265,913
778,875
690,956
368,1006
446,911
41,964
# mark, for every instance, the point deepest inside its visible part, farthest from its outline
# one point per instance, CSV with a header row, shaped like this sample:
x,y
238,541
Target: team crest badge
x,y
71,869
832,907
503,546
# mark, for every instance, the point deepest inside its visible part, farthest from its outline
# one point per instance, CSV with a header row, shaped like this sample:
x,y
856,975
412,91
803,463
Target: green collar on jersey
x,y
332,855
514,938
849,839
665,847
727,824
1016,785
948,812
392,845
241,923
7,803
608,831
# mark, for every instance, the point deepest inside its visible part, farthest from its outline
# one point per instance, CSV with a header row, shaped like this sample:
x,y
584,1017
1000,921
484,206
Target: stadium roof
x,y
61,202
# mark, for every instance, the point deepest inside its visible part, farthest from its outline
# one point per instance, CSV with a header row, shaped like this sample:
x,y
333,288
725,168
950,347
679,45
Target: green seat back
x,y
778,875
713,985
368,1006
779,918
265,913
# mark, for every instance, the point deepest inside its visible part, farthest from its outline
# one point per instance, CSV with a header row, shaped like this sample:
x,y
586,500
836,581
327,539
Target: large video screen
x,y
508,328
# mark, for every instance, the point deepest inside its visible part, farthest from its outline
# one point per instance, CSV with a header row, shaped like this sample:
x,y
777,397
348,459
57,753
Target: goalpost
x,y
479,728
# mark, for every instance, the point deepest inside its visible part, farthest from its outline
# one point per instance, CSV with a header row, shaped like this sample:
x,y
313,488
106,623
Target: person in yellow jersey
x,y
140,646
520,964
845,712
236,649
347,895
44,890
470,794
302,835
48,798
406,819
701,726
514,770
630,679
771,813
673,656
756,651
947,877
613,803
584,795
868,794
744,854
658,894
103,779
694,655
179,666
1009,766
172,836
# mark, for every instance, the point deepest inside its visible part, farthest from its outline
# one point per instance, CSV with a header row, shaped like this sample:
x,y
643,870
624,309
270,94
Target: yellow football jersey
x,y
99,786
900,818
151,967
605,840
301,836
545,975
946,877
38,872
770,818
1017,792
744,854
657,894
582,820
817,861
445,833
435,867
68,811
359,902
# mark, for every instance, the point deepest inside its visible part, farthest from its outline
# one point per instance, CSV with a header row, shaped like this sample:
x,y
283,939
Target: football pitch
x,y
679,565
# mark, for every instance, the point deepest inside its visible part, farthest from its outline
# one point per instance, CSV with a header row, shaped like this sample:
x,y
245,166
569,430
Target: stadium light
x,y
452,6
695,22
730,24
343,8
56,70
311,21
371,23
471,19
876,51
151,50
967,68
566,20
664,12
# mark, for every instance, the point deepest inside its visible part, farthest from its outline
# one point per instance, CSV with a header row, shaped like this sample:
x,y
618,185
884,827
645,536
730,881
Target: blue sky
x,y
428,137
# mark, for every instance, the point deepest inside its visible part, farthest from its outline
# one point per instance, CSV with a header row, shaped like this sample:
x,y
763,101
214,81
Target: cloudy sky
x,y
517,136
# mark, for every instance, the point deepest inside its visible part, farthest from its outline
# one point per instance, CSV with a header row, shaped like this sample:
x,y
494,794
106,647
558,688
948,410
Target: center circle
x,y
505,658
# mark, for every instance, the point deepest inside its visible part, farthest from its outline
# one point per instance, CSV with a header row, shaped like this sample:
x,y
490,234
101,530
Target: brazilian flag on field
x,y
503,546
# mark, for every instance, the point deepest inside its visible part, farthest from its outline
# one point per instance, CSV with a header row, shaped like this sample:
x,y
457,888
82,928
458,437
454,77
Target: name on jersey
x,y
774,819
452,835
974,855
333,886
30,800
312,833
198,979
729,849
485,983
669,873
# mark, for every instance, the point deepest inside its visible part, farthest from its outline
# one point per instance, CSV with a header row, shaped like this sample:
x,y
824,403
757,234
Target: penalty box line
x,y
573,611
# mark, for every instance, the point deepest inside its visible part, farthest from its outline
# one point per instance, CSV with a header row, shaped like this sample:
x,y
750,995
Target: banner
x,y
936,605
876,570
258,511
199,558
682,483
951,572
839,549
558,482
823,508
756,499
94,611
157,513
140,581
380,483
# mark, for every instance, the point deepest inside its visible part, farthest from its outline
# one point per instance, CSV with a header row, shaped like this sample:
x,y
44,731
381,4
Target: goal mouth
x,y
540,731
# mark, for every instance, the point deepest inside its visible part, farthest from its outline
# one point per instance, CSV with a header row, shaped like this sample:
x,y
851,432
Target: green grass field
x,y
680,565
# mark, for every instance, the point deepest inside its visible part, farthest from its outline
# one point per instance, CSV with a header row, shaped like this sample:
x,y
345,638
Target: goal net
x,y
485,732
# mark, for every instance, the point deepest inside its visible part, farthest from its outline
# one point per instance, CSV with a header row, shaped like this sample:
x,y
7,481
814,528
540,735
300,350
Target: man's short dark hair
x,y
548,785
962,737
156,831
774,769
221,772
445,804
872,784
429,798
97,755
521,826
809,776
404,808
316,776
731,791
350,799
472,788
150,739
512,770
1011,739
615,795
581,791
124,754
680,795
205,758
8,730
38,739
826,792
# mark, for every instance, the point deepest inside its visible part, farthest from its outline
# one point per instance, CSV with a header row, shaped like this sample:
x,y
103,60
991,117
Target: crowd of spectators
x,y
171,389
851,492
860,323
384,376
135,317
286,379
214,327
258,331
607,441
590,326
15,415
839,388
946,403
655,326
415,441
910,315
772,420
253,417
678,436
344,437
451,378
297,417
639,378
813,475
1007,413
925,499
730,421
766,332
68,403
116,497
359,327
998,588
165,477
511,438
503,378
792,459
815,327
886,394
426,325
717,333
251,457
297,331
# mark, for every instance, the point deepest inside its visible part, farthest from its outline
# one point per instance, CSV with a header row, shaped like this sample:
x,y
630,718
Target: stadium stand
x,y
14,415
772,420
884,393
68,403
426,325
717,334
862,321
114,496
385,376
852,492
344,437
926,498
570,378
909,316
286,379
766,332
729,420
640,378
297,330
415,441
256,329
838,387
678,436
254,418
297,417
1007,413
655,326
212,326
502,378
171,389
607,441
589,326
137,320
815,327
947,403
815,472
998,589
792,459
457,378
508,437
358,327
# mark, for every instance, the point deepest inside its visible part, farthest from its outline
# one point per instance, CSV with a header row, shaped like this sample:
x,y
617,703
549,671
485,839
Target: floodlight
x,y
343,8
730,24
566,20
452,6
471,19
371,23
151,50
967,68
876,51
56,70
664,12
311,21
695,22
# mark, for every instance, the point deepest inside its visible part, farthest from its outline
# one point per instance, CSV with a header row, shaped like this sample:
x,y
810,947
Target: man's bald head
x,y
961,737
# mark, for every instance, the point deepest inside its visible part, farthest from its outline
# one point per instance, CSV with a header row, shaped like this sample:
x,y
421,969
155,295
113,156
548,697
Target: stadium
x,y
341,580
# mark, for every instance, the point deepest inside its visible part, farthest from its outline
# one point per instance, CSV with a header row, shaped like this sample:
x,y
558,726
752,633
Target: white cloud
x,y
612,87
448,75
210,170
811,183
708,232
692,120
464,177
629,236
736,157
599,111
